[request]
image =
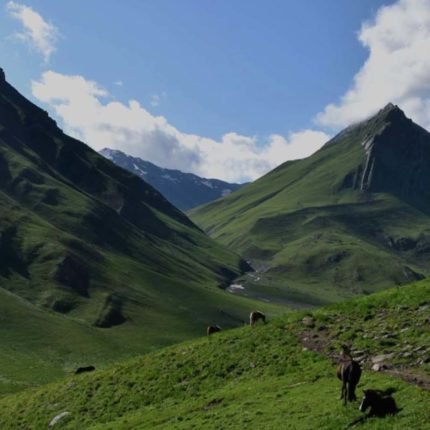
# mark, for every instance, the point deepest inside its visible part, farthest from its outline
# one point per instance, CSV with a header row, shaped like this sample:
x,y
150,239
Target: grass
x,y
262,376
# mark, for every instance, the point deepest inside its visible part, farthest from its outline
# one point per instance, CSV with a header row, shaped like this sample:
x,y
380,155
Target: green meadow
x,y
262,376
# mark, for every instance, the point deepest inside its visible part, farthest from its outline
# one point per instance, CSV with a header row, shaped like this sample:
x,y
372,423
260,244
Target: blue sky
x,y
226,88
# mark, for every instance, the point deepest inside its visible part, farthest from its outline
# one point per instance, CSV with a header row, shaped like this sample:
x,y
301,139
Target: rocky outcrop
x,y
397,157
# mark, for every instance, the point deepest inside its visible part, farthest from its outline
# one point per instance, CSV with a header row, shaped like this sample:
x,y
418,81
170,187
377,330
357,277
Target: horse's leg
x,y
351,392
345,392
342,391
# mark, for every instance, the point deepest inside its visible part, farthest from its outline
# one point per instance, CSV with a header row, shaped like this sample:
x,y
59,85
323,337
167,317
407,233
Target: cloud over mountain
x,y
397,69
90,114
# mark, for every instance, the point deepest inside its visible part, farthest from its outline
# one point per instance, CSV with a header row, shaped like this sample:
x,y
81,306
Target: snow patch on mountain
x,y
138,169
207,183
184,190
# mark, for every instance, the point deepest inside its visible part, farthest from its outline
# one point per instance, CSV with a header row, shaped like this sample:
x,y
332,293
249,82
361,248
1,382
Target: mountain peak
x,y
391,111
2,75
390,106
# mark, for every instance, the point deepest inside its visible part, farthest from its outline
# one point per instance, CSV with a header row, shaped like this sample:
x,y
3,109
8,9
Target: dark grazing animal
x,y
84,369
255,316
349,372
379,403
213,329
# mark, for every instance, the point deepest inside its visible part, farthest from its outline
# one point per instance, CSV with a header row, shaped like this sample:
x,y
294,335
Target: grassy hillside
x,y
269,377
95,264
351,219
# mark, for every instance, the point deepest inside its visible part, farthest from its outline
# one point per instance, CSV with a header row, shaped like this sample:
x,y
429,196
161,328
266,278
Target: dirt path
x,y
320,341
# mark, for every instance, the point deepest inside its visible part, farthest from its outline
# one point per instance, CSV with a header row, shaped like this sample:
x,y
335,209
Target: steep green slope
x,y
97,250
268,377
351,219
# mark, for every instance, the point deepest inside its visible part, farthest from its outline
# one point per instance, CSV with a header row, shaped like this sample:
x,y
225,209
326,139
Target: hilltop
x,y
279,375
351,219
183,190
95,264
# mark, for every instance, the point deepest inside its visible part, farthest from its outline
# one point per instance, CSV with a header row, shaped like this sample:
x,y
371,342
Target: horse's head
x,y
345,352
368,399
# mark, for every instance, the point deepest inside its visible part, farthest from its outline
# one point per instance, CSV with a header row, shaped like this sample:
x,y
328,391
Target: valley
x,y
95,264
331,227
215,215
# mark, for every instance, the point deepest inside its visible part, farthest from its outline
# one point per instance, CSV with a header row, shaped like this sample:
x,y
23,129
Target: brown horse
x,y
213,329
349,372
255,316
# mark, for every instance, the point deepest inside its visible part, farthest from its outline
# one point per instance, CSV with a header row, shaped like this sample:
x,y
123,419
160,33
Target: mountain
x,y
94,262
184,190
351,219
276,376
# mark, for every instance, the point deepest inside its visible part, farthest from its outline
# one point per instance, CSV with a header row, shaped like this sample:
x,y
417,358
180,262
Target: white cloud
x,y
119,83
91,116
37,33
397,69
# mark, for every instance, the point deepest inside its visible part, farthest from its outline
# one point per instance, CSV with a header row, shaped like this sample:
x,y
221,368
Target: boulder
x,y
378,359
377,367
308,322
58,418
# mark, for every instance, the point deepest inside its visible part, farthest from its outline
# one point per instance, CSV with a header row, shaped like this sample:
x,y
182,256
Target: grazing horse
x,y
255,316
84,369
349,372
380,403
213,329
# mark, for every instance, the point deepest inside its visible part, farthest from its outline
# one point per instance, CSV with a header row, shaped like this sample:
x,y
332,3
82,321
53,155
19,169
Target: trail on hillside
x,y
324,341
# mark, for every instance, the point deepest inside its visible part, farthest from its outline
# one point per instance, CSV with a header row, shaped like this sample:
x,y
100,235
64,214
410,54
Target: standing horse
x,y
213,329
349,372
379,403
255,316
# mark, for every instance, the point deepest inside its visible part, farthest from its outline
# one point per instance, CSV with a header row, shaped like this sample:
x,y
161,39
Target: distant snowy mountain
x,y
184,190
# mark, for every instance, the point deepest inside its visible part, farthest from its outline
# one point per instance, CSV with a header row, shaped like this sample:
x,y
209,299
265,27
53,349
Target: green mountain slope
x,y
86,247
351,219
271,376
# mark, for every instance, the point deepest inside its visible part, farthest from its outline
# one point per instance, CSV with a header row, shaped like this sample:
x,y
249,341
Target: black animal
x,y
84,369
380,404
213,329
349,372
255,316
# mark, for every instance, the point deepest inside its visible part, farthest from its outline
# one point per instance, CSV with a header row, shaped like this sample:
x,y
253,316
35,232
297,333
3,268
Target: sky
x,y
227,89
